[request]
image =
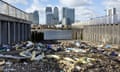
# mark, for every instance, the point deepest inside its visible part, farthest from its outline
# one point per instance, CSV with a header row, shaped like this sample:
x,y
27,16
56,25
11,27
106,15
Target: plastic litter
x,y
75,50
37,57
3,49
2,61
69,59
100,46
29,44
108,46
119,55
113,53
26,54
77,43
53,56
85,60
78,68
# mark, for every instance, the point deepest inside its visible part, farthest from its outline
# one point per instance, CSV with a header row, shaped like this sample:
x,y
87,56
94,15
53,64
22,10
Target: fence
x,y
114,19
10,10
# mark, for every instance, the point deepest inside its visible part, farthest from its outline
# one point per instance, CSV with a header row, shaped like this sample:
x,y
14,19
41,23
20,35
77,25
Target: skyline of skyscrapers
x,y
52,16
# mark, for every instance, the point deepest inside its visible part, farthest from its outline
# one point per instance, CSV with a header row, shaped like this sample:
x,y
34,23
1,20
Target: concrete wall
x,y
108,33
77,34
12,32
14,24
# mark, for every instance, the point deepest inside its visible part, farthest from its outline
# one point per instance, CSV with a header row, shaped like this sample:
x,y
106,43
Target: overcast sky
x,y
84,9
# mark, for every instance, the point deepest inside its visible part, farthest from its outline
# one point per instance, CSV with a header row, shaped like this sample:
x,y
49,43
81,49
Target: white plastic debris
x,y
75,50
77,43
53,56
100,46
39,57
69,59
25,54
108,46
78,67
29,43
2,61
119,55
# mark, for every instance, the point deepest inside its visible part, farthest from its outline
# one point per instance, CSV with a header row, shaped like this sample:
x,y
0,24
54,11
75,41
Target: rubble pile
x,y
67,56
42,66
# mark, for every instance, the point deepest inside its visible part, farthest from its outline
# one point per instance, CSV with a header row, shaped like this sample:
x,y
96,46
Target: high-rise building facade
x,y
34,17
56,15
111,12
52,16
49,16
68,15
112,15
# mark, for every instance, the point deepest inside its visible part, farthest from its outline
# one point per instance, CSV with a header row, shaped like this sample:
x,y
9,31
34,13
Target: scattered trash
x,y
77,43
29,44
78,68
37,56
85,60
75,50
26,54
8,63
119,55
113,53
108,46
69,59
6,70
67,56
3,49
53,56
100,46
13,57
2,61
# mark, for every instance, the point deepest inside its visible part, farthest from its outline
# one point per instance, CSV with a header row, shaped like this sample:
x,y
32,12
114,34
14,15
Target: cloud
x,y
83,8
39,5
112,4
44,0
84,13
25,2
75,2
36,5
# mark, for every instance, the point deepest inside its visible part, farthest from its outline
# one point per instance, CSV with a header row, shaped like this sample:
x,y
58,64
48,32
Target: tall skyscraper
x,y
52,17
56,15
49,16
112,15
68,15
111,12
34,17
